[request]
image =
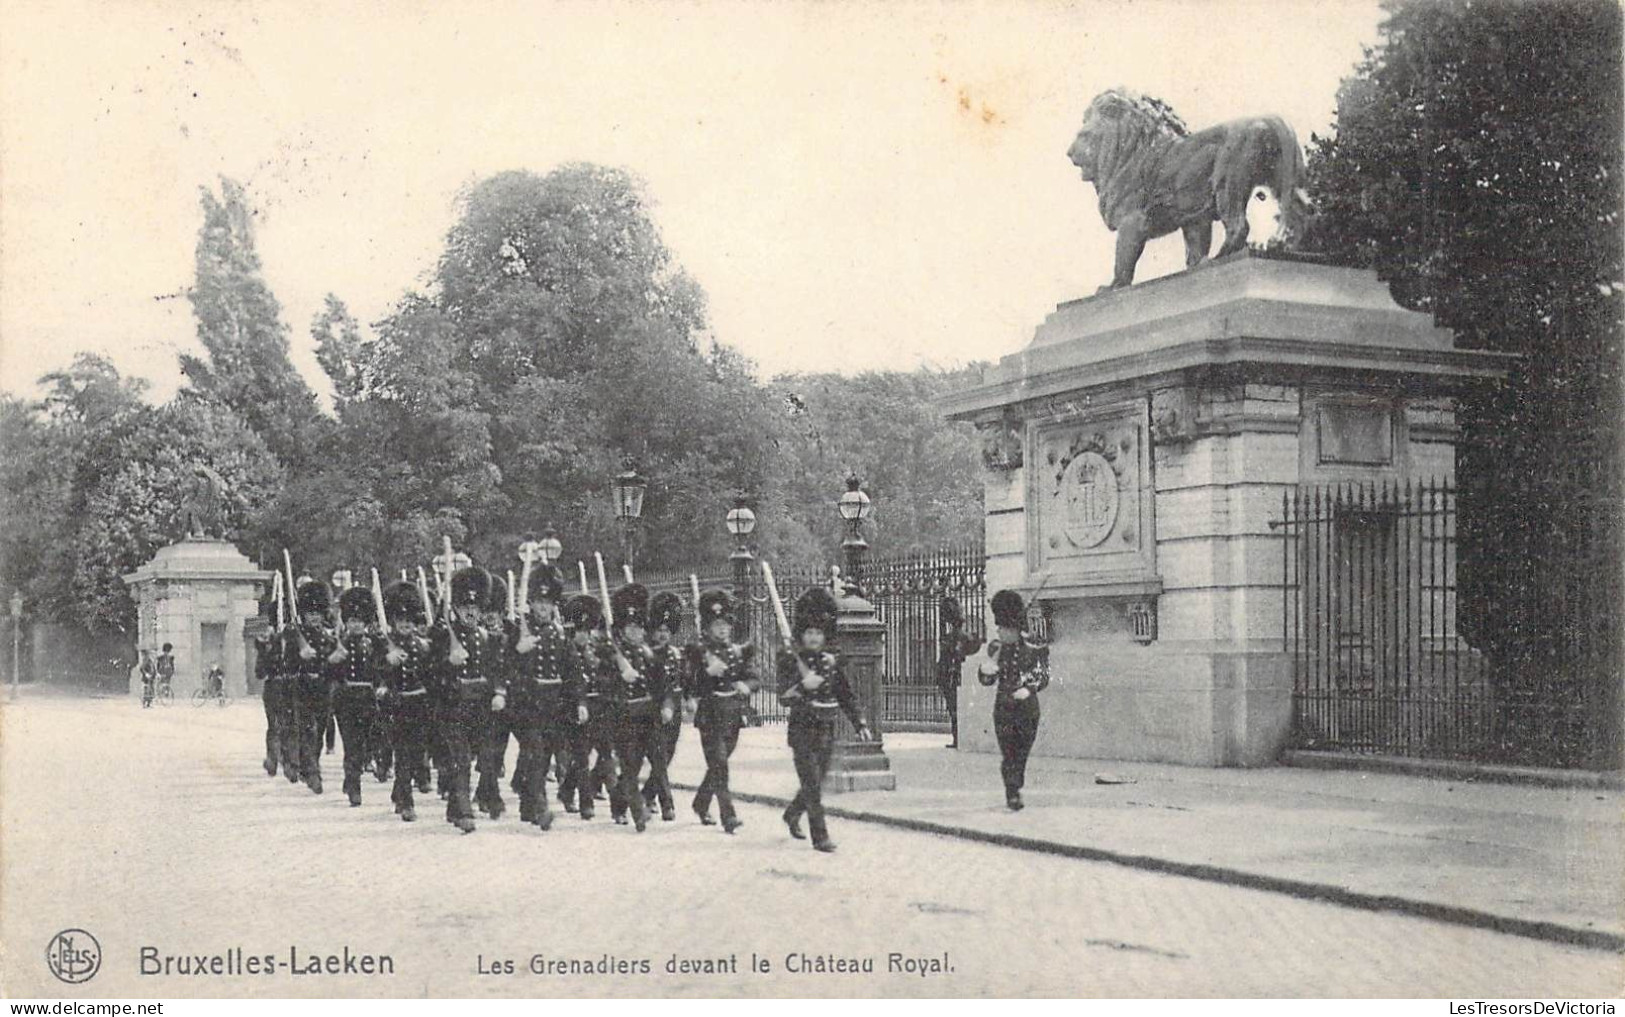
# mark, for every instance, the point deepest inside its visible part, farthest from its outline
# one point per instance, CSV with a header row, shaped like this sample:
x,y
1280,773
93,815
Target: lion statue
x,y
1154,176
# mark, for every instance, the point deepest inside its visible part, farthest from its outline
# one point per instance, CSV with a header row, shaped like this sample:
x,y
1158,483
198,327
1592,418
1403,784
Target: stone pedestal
x,y
201,595
860,765
1138,450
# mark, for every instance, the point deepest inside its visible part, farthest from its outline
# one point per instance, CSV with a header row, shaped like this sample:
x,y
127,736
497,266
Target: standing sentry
x,y
1020,669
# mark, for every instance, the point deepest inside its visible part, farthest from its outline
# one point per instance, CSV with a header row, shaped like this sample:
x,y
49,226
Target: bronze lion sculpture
x,y
1154,176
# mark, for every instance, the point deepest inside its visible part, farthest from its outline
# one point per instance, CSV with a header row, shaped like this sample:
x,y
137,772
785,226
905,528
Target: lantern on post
x,y
854,507
628,487
741,522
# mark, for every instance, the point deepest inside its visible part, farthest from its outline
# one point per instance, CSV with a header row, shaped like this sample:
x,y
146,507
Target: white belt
x,y
359,685
473,681
725,695
640,699
548,681
416,692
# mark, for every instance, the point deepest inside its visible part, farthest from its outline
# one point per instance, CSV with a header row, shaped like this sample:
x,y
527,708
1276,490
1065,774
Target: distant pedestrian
x,y
166,667
149,677
953,647
1020,669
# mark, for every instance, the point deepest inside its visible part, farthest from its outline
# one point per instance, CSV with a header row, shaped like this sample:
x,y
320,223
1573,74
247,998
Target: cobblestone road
x,y
157,829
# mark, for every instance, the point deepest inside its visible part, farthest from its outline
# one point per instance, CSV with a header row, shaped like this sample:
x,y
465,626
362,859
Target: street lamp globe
x,y
628,488
854,505
550,548
741,520
16,605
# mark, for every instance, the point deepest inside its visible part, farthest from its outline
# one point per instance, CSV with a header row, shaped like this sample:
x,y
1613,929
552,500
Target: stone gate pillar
x,y
1137,451
197,594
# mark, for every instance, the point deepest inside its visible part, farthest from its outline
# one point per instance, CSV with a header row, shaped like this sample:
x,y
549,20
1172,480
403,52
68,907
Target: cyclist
x,y
166,669
216,682
149,675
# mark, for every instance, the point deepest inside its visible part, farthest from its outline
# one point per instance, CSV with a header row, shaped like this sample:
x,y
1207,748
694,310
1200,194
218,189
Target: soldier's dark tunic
x,y
354,707
411,711
679,683
955,646
639,697
1021,664
543,689
718,714
594,741
491,754
463,710
268,671
311,704
811,728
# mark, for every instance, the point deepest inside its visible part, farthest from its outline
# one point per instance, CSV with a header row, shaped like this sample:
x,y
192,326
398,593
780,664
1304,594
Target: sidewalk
x,y
1548,863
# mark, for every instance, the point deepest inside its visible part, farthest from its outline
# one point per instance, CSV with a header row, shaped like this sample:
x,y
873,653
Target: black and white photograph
x,y
947,499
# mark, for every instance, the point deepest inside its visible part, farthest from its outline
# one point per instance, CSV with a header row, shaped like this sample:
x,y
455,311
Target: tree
x,y
1476,165
246,366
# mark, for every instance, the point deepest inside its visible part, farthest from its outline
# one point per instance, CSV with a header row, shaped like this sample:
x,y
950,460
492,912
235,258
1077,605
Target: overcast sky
x,y
856,186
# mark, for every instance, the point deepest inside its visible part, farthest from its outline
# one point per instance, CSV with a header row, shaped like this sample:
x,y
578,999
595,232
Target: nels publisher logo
x,y
74,956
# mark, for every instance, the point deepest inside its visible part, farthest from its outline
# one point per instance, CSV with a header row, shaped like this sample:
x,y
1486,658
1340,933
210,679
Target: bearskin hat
x,y
497,598
952,615
314,598
815,609
470,586
546,583
631,605
583,611
666,612
716,604
355,603
403,602
1009,611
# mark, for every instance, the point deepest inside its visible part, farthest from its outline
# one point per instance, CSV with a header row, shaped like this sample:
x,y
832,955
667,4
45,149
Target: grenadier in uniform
x,y
492,752
723,679
268,672
665,619
642,697
594,736
953,646
353,689
1020,668
814,688
542,693
463,709
312,644
149,678
404,672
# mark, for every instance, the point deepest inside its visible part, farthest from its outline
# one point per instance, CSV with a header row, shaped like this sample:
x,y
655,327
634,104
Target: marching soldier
x,y
665,619
542,693
491,755
594,735
953,647
404,673
463,711
723,679
813,686
350,670
268,671
311,643
643,700
1020,668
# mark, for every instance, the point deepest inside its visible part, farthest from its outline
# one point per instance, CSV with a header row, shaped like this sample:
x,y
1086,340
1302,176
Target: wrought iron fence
x,y
907,591
1382,660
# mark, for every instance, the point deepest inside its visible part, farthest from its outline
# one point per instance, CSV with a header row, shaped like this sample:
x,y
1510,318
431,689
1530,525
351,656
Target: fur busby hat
x,y
815,609
952,615
666,612
497,598
313,598
356,603
583,611
546,583
1009,611
403,602
470,586
631,605
716,604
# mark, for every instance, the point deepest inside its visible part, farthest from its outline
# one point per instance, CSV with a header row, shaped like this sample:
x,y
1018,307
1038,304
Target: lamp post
x,y
741,522
546,550
628,488
16,632
854,507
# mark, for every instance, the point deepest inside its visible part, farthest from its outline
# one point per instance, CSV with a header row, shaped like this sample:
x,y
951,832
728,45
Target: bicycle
x,y
164,693
202,696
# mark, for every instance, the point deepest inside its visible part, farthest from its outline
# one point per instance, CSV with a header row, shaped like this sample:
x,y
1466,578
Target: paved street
x,y
157,829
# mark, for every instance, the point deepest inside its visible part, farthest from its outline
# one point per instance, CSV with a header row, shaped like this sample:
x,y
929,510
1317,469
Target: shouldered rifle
x,y
306,651
784,630
454,646
694,590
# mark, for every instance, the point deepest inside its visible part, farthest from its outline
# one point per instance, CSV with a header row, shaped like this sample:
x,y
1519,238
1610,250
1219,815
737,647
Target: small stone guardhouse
x,y
201,595
1137,451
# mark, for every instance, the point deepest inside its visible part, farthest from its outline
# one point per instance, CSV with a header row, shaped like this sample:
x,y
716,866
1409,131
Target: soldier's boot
x,y
793,821
495,807
354,797
702,809
544,816
826,845
408,814
730,820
